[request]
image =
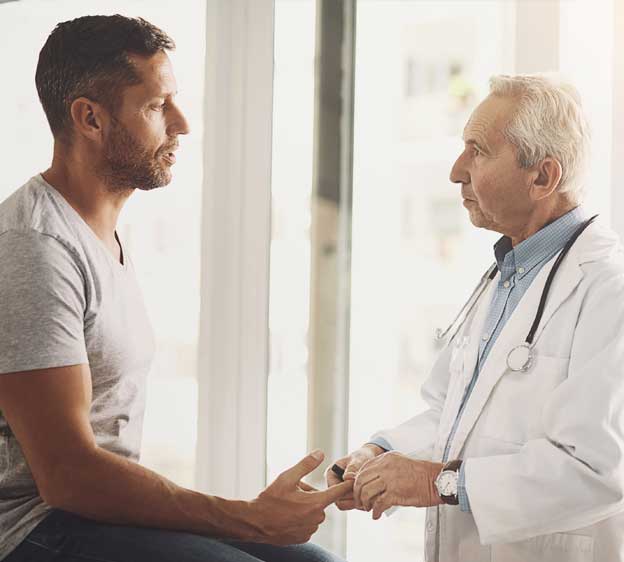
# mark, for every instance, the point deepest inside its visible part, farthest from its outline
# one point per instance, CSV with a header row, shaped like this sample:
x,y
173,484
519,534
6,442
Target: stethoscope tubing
x,y
551,276
469,304
489,276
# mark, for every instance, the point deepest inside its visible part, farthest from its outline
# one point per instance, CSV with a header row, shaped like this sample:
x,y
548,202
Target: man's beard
x,y
127,165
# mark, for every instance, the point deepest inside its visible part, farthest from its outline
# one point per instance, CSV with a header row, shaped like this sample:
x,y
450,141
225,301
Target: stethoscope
x,y
520,358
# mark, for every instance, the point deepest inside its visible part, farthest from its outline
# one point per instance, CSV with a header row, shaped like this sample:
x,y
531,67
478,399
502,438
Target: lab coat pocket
x,y
557,547
514,409
484,446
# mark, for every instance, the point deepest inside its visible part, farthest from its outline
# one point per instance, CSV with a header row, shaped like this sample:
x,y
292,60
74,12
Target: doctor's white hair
x,y
548,121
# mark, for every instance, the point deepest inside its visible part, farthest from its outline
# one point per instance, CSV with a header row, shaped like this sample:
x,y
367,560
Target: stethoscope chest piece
x,y
520,358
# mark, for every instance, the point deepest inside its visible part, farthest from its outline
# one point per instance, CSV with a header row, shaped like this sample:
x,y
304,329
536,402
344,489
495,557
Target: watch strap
x,y
451,466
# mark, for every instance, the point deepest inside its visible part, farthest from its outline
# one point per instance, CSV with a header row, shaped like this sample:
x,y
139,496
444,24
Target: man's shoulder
x,y
31,215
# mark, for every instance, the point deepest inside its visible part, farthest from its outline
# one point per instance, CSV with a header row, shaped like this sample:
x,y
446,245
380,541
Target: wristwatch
x,y
446,482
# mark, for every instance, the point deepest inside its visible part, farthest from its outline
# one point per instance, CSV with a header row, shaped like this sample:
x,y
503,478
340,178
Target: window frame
x,y
236,232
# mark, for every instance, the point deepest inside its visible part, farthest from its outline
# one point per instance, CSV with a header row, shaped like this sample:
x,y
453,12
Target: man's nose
x,y
185,129
179,125
459,172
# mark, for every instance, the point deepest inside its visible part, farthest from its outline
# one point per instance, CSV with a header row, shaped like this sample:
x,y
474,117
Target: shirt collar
x,y
542,245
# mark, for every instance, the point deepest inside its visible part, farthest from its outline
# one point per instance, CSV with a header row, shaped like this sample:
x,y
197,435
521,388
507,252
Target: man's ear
x,y
547,178
87,118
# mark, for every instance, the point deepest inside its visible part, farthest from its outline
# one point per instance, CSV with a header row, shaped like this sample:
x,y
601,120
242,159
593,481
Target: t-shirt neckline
x,y
123,266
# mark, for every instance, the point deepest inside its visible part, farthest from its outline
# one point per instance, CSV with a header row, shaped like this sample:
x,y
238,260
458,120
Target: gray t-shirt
x,y
66,300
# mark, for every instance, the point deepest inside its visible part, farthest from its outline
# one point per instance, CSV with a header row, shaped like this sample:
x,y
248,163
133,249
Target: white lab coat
x,y
543,450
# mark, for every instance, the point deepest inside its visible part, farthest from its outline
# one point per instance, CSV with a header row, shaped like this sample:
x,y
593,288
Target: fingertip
x,y
317,454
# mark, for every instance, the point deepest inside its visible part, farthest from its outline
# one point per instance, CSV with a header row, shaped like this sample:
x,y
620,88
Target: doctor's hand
x,y
352,464
394,479
289,511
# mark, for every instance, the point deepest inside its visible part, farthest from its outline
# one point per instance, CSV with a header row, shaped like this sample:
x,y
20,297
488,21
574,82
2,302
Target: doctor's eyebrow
x,y
482,147
472,136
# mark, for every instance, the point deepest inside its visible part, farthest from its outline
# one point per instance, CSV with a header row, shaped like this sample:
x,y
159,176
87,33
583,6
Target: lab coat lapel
x,y
513,333
472,328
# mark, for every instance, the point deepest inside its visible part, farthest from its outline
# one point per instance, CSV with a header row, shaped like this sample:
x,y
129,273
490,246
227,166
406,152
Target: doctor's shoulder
x,y
602,285
600,255
595,277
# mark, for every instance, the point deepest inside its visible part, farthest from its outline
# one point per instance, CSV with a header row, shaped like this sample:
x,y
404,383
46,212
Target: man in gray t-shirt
x,y
65,300
76,343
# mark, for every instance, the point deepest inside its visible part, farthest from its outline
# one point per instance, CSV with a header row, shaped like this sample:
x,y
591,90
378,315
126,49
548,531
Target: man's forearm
x,y
109,488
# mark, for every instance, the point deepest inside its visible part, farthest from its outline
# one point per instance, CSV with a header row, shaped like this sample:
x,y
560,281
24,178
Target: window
x,y
413,245
293,117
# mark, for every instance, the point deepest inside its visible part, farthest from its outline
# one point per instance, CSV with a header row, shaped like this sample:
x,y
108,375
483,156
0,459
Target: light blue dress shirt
x,y
518,268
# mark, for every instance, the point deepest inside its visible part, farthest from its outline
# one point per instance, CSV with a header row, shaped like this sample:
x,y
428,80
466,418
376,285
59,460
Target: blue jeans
x,y
65,537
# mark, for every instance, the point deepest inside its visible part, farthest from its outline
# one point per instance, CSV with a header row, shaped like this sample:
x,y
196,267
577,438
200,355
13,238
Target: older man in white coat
x,y
520,456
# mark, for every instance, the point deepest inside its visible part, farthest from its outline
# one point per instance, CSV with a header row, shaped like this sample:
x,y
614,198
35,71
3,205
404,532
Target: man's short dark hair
x,y
90,56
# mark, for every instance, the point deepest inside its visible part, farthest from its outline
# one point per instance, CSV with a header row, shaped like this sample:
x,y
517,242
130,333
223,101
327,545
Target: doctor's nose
x,y
459,172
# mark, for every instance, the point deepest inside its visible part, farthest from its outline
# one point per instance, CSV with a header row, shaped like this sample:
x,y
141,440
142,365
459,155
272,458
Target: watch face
x,y
447,483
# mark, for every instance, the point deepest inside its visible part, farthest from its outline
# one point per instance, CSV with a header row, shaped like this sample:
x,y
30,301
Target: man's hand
x,y
394,479
290,511
352,464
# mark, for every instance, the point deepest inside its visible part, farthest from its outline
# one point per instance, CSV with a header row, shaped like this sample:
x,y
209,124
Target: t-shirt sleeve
x,y
42,303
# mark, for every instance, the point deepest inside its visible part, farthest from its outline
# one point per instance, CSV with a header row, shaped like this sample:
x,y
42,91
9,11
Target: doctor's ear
x,y
87,118
547,177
